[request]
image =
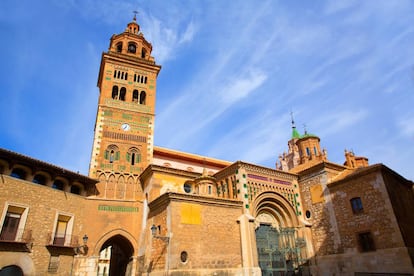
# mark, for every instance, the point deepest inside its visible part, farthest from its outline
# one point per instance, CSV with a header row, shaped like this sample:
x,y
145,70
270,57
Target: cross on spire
x,y
135,15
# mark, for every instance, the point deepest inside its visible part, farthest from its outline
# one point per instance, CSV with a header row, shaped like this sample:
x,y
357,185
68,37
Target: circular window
x,y
308,214
187,188
184,256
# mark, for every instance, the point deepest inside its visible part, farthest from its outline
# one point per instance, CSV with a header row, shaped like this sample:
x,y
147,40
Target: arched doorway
x,y
115,257
11,270
279,239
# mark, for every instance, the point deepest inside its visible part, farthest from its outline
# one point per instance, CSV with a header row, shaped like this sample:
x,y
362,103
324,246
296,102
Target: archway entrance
x,y
11,270
115,257
281,246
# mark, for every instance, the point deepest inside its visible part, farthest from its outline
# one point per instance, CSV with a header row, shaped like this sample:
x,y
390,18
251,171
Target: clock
x,y
125,127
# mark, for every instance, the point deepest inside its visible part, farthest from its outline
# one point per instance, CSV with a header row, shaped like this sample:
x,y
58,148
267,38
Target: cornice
x,y
166,198
132,60
202,160
150,169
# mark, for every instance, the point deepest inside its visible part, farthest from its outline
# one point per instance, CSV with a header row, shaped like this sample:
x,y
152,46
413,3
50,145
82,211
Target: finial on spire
x,y
293,121
304,127
135,15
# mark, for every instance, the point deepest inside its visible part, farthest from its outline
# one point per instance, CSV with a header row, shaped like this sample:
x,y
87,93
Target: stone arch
x,y
122,247
120,187
276,205
110,187
17,260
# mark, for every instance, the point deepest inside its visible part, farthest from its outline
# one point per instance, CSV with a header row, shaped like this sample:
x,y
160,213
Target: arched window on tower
x,y
115,74
122,75
115,92
119,74
135,96
133,156
122,94
142,97
111,153
132,48
119,47
126,76
143,53
145,80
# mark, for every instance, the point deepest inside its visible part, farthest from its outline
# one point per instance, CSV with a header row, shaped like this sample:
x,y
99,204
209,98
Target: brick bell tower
x,y
124,128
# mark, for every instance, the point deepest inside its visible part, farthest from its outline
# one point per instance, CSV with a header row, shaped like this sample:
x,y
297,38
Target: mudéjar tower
x,y
124,128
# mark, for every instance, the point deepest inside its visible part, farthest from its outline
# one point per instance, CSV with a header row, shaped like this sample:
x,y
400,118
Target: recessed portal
x,y
115,257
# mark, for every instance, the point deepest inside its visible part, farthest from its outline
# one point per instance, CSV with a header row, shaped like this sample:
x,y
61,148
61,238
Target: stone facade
x,y
147,210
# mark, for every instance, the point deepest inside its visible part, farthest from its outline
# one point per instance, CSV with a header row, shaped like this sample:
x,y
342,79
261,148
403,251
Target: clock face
x,y
125,127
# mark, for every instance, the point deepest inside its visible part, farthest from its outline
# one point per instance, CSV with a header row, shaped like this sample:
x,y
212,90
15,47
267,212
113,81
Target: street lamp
x,y
82,249
154,234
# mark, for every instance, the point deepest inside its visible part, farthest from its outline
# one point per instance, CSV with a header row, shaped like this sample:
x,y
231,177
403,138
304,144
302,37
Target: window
x,y
75,190
314,150
135,96
142,97
18,173
308,151
366,242
39,179
187,187
119,47
133,156
209,189
122,94
13,223
63,230
58,185
143,53
111,153
356,205
115,92
132,48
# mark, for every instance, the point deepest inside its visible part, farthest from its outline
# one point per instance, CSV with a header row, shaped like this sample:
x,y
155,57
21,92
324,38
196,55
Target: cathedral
x,y
149,210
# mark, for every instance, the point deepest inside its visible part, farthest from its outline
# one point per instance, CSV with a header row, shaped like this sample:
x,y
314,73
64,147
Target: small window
x,y
58,185
63,230
12,228
308,214
18,173
122,94
187,188
39,179
119,47
356,205
366,242
143,53
111,153
132,48
115,74
126,76
142,97
308,151
209,189
115,92
315,151
75,190
133,156
135,96
184,257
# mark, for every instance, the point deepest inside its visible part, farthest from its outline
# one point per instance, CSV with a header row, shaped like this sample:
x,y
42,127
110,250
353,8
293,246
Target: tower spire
x,y
295,133
135,15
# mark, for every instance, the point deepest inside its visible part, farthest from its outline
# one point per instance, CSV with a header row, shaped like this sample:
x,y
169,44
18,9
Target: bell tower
x,y
124,128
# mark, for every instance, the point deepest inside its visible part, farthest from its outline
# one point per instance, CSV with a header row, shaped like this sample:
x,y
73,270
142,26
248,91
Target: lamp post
x,y
154,234
82,249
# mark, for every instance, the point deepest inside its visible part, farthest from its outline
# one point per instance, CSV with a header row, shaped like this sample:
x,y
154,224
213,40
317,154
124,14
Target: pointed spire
x,y
135,16
295,133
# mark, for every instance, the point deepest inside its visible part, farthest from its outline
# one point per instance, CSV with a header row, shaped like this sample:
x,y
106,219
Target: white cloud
x,y
242,87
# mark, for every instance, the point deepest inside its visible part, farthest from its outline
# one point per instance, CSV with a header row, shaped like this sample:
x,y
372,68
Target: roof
x,y
190,157
17,158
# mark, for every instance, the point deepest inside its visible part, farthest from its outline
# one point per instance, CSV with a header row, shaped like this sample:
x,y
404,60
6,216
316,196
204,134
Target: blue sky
x,y
232,71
